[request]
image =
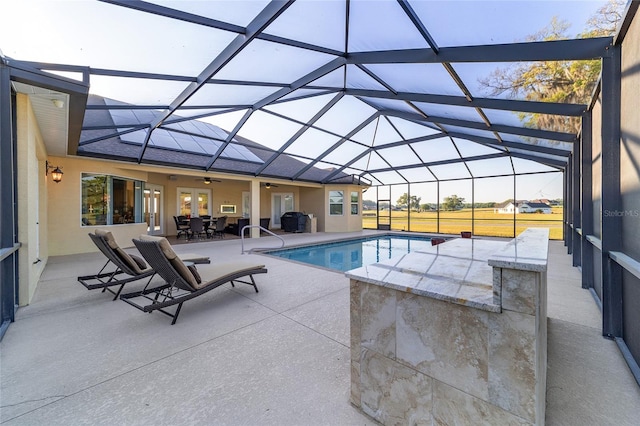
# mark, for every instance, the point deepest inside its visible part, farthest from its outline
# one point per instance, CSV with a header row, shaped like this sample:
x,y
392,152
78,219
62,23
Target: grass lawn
x,y
486,222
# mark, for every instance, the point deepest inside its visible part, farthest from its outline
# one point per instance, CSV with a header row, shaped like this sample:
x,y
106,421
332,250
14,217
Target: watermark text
x,y
621,213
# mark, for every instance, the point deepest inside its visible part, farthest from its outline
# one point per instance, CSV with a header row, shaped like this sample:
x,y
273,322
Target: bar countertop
x,y
460,270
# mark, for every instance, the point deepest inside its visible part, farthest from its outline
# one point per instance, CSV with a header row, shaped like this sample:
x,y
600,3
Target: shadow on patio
x,y
280,356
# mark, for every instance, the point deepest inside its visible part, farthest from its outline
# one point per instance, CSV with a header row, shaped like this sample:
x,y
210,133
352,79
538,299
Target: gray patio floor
x,y
237,357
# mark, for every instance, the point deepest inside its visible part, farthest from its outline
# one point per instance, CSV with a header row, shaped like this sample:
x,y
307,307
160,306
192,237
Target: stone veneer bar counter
x,y
453,335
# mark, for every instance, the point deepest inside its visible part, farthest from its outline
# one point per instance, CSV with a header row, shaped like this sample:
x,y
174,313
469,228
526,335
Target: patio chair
x,y
196,225
206,221
182,227
264,222
128,267
221,224
182,281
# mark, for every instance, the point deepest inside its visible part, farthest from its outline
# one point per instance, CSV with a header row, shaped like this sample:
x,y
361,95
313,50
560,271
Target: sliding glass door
x,y
280,204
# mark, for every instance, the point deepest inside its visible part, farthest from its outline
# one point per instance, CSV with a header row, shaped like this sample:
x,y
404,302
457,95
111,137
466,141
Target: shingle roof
x,y
538,205
94,142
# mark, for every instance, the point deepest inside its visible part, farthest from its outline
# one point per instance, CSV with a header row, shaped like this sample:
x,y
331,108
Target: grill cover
x,y
293,221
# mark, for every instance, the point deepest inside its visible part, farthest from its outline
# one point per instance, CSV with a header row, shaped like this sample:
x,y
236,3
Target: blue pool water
x,y
350,254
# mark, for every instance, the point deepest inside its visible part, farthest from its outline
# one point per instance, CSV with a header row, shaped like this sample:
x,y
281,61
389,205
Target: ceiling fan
x,y
207,180
269,185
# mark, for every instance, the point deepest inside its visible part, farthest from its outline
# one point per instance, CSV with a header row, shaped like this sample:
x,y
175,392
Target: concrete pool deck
x,y
280,356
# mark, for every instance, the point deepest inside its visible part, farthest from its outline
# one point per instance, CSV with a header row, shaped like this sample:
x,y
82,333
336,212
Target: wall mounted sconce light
x,y
56,174
58,103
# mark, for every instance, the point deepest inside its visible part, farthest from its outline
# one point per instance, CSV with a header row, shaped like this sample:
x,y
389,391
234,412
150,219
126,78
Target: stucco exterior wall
x,y
66,233
355,220
68,236
345,222
313,201
32,200
265,202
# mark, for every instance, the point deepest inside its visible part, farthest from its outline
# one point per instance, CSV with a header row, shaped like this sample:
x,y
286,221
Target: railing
x,y
632,266
6,252
262,229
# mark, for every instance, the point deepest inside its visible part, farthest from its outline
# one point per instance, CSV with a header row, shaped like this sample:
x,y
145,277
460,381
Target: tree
x,y
556,81
426,207
368,204
452,202
412,202
415,202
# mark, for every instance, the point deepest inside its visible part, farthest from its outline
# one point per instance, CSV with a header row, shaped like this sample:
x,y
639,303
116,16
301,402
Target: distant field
x,y
487,222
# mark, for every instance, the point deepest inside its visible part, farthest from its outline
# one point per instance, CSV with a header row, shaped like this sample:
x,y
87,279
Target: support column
x,y
255,208
408,206
575,204
473,206
567,206
438,207
611,228
515,203
8,245
586,208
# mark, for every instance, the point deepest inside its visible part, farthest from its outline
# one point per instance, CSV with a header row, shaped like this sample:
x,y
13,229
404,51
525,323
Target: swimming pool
x,y
350,254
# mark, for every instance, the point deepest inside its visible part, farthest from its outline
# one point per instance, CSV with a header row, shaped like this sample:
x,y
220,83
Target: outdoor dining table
x,y
212,220
207,224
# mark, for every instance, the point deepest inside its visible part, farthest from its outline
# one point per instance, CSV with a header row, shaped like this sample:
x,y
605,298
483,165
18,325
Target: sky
x,y
101,35
530,187
79,31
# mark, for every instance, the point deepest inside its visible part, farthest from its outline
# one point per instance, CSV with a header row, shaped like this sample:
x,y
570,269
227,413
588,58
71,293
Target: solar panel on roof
x,y
183,138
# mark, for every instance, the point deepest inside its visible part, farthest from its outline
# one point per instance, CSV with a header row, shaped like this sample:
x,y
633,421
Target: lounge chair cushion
x,y
126,258
194,258
139,261
138,265
195,273
108,237
225,269
173,258
165,246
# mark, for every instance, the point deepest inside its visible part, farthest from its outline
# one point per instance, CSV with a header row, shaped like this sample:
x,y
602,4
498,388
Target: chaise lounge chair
x,y
128,267
182,281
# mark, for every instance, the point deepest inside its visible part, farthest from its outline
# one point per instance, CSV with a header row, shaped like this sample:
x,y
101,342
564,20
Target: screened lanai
x,y
386,94
319,93
383,94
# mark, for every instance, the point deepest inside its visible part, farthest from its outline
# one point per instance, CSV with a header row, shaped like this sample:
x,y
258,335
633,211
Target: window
x,y
354,202
336,200
246,204
109,200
